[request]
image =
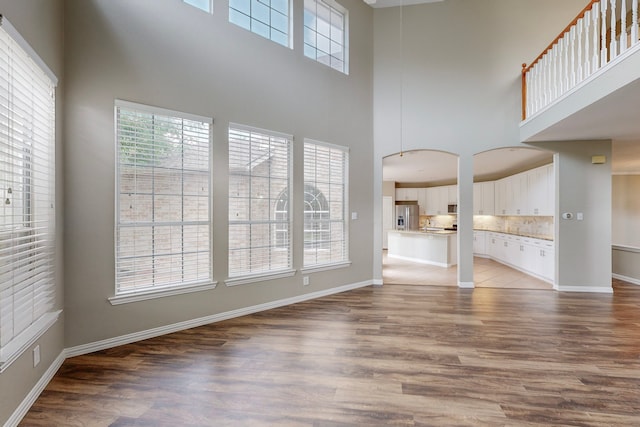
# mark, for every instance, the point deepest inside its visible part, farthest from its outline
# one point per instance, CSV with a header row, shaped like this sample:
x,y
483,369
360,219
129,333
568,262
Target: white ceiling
x,y
393,3
436,167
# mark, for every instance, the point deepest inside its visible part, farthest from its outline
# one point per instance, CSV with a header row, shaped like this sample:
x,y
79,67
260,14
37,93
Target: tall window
x,y
27,220
268,18
205,5
325,199
259,211
325,33
163,199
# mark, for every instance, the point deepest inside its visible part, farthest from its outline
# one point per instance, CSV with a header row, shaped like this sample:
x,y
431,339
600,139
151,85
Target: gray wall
x,y
168,54
40,23
626,226
455,87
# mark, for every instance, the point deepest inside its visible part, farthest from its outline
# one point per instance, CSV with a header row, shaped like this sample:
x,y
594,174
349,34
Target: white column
x,y
465,221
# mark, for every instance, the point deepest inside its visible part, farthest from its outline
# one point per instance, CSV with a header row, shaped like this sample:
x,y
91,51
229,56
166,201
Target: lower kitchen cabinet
x,y
480,243
529,255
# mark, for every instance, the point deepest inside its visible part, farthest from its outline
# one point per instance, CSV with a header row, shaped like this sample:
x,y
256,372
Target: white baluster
x,y
543,81
579,49
623,26
572,44
634,22
560,73
604,51
567,64
613,48
554,52
587,47
595,12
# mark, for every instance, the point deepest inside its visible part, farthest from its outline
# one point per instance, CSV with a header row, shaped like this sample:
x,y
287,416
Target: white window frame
x,y
311,34
126,294
209,8
255,136
254,23
27,178
312,180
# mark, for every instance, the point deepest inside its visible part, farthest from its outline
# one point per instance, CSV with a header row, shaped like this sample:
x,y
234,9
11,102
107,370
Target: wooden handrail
x,y
566,30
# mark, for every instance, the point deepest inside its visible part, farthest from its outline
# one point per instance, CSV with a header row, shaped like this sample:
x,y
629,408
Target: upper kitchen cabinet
x,y
422,200
438,199
406,194
541,187
528,193
484,198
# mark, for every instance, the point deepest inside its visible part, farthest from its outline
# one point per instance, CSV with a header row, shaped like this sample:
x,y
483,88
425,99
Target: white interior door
x,y
387,219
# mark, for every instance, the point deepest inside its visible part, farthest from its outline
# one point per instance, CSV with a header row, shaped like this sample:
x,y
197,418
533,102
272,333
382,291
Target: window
x,y
325,200
259,208
325,33
201,4
163,199
27,183
268,18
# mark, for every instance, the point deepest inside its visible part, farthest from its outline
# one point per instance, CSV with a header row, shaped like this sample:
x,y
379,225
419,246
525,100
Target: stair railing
x,y
602,31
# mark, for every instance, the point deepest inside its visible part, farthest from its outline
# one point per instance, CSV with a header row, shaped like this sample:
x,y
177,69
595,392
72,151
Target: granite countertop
x,y
532,236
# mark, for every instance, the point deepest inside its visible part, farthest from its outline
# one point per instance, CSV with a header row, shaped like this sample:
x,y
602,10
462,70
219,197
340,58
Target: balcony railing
x,y
601,33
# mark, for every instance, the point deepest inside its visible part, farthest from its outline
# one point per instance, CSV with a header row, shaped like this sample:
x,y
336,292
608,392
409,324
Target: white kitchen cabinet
x,y
541,191
519,194
437,200
422,200
483,198
500,198
480,243
532,256
452,194
405,194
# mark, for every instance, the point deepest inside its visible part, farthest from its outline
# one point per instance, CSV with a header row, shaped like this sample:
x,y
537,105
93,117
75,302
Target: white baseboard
x,y
590,289
31,398
163,330
466,285
631,280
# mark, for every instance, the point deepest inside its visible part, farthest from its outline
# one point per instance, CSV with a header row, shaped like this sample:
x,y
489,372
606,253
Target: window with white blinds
x,y
27,177
326,33
267,18
259,220
326,168
163,225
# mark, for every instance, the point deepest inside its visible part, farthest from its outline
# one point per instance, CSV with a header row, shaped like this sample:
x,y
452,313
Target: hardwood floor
x,y
397,355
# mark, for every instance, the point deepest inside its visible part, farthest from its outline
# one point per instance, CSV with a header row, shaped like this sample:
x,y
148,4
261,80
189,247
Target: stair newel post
x,y
524,91
613,47
623,26
603,39
634,22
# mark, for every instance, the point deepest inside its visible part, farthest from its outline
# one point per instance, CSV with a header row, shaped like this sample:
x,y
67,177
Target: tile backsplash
x,y
534,226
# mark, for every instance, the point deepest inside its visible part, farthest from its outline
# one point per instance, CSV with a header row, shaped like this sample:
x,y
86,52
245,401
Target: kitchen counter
x,y
532,236
433,247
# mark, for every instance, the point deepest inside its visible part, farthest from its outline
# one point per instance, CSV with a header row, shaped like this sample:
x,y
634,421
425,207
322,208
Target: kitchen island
x,y
426,247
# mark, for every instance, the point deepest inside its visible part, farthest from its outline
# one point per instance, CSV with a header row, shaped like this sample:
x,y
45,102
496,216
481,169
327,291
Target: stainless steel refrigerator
x,y
407,217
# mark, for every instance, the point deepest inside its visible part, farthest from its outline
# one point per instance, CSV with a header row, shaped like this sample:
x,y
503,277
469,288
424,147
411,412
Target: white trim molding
x,y
325,267
33,395
631,280
588,289
243,280
466,285
160,293
180,326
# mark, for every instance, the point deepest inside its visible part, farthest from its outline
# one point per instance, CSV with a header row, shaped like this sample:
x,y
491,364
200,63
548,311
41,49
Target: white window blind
x,y
259,223
267,18
326,33
27,177
325,204
163,200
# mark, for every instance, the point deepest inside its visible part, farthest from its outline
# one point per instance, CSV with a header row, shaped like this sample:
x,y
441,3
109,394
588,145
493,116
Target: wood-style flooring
x,y
397,355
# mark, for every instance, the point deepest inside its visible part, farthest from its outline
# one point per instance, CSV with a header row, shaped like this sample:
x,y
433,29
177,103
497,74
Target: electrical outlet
x,y
36,355
305,280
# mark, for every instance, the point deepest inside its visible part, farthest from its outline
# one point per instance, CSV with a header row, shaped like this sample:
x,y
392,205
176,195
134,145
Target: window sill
x,y
325,267
259,277
26,339
133,296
